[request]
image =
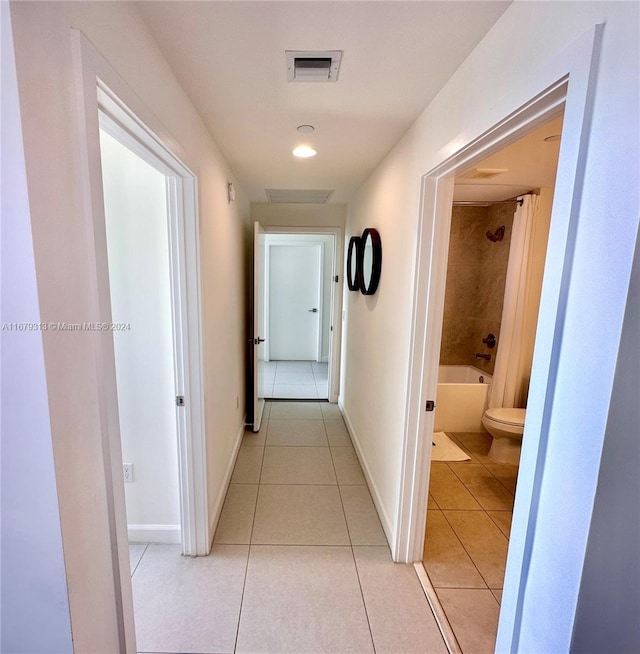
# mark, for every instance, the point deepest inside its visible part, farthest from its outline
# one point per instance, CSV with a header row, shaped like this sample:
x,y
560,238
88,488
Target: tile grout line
x,y
253,522
460,443
244,586
478,501
483,510
353,555
499,527
146,546
484,465
471,492
455,533
492,521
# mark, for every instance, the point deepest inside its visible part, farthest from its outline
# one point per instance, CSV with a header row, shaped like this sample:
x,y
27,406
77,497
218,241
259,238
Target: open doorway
x,y
497,246
295,338
149,294
137,228
296,315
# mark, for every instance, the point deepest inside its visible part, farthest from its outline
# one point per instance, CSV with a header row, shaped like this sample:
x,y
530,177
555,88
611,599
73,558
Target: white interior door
x,y
294,302
258,324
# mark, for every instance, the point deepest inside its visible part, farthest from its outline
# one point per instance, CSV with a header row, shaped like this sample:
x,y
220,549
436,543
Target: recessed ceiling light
x,y
306,129
304,152
552,138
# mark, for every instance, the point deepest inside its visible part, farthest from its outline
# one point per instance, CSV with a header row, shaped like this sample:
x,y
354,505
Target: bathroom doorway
x,y
471,490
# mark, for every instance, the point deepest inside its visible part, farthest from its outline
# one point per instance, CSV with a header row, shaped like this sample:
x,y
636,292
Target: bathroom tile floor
x,y
299,563
295,380
468,522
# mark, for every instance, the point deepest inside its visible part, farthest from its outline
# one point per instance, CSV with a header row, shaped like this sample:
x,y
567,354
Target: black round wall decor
x,y
371,261
354,260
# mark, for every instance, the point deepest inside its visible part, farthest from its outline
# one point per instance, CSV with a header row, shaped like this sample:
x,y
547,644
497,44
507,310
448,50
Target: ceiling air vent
x,y
298,196
316,66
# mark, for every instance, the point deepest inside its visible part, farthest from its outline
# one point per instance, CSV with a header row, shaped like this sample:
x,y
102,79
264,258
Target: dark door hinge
x,y
336,279
431,405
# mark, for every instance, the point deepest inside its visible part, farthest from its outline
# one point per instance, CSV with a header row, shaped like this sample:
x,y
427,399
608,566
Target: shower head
x,y
496,235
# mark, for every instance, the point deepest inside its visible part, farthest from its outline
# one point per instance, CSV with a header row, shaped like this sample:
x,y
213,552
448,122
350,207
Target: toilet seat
x,y
512,417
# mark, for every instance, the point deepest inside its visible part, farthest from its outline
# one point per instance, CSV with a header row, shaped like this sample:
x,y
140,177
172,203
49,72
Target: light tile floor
x,y
293,380
468,522
300,563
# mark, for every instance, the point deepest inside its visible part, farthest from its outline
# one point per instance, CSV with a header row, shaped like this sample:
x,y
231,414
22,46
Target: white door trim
x,y
267,314
99,87
118,120
320,303
257,400
336,296
577,65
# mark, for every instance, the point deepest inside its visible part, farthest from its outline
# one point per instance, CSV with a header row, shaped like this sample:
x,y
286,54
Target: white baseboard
x,y
215,515
373,489
168,534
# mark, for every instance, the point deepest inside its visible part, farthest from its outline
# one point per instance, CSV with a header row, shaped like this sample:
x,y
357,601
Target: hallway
x,y
296,380
299,563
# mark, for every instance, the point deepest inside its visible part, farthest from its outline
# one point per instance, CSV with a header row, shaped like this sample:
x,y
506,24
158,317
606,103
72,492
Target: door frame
x,y
117,121
577,66
335,338
267,282
100,90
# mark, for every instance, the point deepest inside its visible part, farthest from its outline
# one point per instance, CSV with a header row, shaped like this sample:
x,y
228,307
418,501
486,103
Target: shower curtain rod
x,y
483,203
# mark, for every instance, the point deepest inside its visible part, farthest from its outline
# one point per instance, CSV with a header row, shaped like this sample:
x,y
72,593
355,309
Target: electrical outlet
x,y
127,472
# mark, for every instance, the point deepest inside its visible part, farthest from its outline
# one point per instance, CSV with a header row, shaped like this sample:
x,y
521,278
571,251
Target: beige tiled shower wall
x,y
476,276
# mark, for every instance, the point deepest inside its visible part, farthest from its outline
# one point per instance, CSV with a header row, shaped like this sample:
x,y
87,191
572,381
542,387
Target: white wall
x,y
34,610
139,280
609,600
299,215
327,269
501,74
46,83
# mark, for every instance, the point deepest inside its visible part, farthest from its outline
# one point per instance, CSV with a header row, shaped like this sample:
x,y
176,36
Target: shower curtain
x,y
510,384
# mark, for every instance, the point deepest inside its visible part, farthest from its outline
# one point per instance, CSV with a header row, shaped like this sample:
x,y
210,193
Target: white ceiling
x,y
230,59
530,163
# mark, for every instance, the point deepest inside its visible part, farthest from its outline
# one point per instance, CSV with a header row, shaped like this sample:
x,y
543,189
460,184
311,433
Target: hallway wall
x,y
276,214
499,76
63,246
34,587
612,561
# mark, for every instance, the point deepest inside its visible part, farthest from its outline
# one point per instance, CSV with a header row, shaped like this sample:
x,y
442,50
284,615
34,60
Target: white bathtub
x,y
461,398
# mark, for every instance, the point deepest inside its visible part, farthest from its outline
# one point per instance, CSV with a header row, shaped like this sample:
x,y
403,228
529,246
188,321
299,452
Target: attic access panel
x,y
298,196
313,66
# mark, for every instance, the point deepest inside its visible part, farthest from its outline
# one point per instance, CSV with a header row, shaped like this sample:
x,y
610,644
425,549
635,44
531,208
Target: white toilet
x,y
506,427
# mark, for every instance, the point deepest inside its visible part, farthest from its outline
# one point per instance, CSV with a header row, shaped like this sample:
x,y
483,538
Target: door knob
x,y
313,311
